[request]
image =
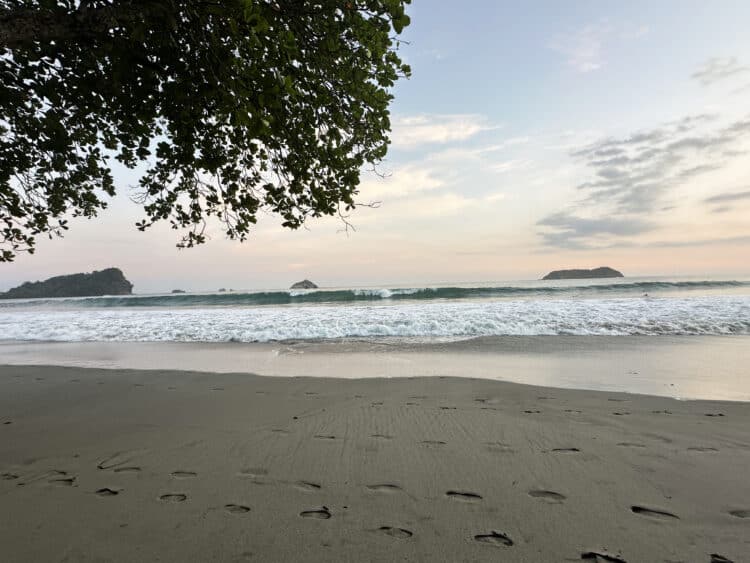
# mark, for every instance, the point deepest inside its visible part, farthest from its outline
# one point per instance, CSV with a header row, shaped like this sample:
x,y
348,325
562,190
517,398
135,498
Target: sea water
x,y
611,307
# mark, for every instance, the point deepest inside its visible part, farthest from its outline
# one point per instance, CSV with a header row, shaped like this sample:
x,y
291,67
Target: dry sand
x,y
114,465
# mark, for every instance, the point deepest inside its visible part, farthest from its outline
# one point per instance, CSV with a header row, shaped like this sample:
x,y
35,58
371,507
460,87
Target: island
x,y
602,272
304,284
178,291
104,282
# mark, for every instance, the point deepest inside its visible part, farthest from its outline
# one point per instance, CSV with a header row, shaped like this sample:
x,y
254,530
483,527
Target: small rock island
x,y
602,272
105,282
304,284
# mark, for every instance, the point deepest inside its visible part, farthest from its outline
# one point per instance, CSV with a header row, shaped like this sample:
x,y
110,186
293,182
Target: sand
x,y
116,465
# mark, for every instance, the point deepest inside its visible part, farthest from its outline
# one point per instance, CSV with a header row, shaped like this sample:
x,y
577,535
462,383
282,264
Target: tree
x,y
229,107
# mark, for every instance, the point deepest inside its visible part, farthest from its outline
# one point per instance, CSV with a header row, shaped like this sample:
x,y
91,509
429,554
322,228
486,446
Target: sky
x,y
532,136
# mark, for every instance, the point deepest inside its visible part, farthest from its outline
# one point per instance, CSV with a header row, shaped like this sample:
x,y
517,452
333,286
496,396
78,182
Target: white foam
x,y
668,316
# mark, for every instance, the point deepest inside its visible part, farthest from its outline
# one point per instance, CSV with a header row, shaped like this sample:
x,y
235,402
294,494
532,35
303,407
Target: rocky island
x,y
105,282
304,284
602,272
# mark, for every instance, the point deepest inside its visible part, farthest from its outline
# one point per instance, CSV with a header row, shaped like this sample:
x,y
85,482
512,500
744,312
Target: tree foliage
x,y
227,107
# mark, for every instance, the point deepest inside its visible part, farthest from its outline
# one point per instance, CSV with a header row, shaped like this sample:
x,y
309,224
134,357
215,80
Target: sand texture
x,y
113,465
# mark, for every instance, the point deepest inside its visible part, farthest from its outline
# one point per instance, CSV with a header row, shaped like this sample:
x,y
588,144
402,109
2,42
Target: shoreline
x,y
123,465
684,367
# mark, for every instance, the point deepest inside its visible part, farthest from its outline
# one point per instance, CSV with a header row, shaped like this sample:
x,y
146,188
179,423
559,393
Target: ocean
x,y
441,312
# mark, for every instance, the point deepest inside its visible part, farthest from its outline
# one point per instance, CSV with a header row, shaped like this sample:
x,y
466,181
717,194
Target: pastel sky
x,y
532,136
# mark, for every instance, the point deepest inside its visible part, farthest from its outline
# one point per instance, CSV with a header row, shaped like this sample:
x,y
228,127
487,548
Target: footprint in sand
x,y
7,422
494,538
653,513
433,442
573,411
601,556
117,459
630,445
447,408
324,436
744,513
548,496
621,413
657,437
565,450
321,513
714,414
662,412
179,474
399,533
236,508
252,472
307,486
532,411
464,496
716,558
8,476
132,469
173,497
499,447
63,481
384,488
702,449
107,492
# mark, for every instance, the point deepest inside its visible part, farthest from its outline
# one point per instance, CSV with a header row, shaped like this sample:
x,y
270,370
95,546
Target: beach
x,y
158,465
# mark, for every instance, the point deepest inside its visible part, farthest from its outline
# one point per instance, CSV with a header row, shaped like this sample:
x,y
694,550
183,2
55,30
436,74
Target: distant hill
x,y
603,272
304,284
105,282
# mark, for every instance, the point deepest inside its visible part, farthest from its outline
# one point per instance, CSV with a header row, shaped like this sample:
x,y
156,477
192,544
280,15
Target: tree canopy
x,y
227,108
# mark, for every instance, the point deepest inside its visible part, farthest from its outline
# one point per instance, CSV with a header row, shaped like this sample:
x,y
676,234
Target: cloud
x,y
721,202
632,175
509,165
728,196
495,197
583,48
741,239
636,32
575,232
403,181
717,68
413,131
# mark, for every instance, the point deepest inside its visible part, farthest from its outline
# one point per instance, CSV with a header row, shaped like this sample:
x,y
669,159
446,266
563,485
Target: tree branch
x,y
24,27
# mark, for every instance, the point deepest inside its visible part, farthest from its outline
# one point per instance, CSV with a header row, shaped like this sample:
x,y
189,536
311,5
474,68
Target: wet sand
x,y
117,465
686,367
